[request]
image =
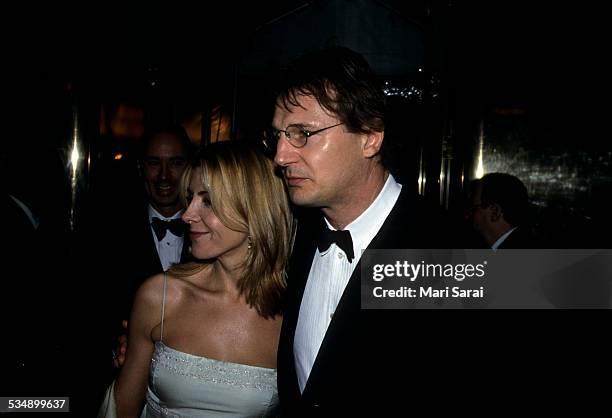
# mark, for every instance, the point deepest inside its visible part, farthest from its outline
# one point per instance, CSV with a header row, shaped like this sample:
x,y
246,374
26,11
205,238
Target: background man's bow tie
x,y
175,226
341,238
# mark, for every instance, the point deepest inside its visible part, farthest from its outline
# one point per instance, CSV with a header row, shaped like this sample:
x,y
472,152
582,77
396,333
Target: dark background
x,y
527,78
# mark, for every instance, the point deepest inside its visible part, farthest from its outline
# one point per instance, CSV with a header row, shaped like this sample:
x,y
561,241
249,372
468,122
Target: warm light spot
x,y
480,168
118,156
74,158
127,121
480,171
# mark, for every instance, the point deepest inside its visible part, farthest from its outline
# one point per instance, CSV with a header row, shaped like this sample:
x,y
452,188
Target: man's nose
x,y
285,152
163,171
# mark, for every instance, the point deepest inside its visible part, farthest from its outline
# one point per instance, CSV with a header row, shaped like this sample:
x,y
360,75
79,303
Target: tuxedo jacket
x,y
124,256
139,258
520,238
345,375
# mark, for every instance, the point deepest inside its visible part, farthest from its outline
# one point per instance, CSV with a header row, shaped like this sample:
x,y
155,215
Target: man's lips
x,y
295,181
165,190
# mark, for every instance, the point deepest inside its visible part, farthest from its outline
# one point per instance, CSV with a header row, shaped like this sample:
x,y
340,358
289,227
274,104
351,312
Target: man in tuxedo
x,y
499,210
147,235
328,134
164,156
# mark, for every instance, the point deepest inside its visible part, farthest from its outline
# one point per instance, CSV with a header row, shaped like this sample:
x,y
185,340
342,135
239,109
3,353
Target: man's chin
x,y
299,198
162,205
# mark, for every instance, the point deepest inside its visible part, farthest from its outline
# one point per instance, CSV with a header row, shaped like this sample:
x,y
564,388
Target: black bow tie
x,y
175,226
341,238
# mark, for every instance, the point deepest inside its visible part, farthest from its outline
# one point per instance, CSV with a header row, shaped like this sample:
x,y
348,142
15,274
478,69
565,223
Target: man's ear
x,y
496,212
373,143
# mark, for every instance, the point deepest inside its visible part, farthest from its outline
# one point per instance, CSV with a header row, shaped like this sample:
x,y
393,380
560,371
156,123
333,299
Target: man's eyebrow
x,y
297,124
303,125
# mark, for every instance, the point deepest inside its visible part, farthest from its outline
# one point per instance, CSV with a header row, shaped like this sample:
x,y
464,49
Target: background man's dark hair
x,y
173,129
509,193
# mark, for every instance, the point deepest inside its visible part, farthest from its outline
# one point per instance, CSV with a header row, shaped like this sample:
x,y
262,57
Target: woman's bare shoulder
x,y
151,291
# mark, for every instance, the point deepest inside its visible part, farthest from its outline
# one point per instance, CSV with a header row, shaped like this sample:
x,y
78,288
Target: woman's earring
x,y
250,245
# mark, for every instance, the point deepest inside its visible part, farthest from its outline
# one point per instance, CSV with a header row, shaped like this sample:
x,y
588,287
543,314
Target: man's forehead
x,y
165,145
476,192
306,109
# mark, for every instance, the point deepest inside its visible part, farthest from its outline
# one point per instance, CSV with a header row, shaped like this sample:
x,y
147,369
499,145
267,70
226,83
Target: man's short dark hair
x,y
172,129
509,193
343,83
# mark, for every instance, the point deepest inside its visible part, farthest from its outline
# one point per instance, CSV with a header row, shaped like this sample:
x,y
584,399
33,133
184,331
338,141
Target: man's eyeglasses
x,y
295,134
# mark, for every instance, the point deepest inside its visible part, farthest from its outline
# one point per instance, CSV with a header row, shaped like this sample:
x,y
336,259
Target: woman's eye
x,y
206,202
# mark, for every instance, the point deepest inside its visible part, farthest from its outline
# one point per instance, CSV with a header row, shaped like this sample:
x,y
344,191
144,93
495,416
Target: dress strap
x,y
161,332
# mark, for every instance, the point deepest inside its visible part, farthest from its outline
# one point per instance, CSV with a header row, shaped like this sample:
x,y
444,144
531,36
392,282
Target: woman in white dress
x,y
203,337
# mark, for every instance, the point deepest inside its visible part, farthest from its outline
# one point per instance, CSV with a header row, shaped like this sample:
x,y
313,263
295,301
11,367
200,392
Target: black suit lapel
x,y
340,338
341,333
154,264
299,268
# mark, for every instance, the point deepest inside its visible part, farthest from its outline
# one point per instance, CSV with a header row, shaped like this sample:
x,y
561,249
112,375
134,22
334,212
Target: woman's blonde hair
x,y
248,196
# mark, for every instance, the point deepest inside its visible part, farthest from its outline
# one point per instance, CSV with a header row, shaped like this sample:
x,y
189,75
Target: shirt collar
x,y
502,239
365,227
155,213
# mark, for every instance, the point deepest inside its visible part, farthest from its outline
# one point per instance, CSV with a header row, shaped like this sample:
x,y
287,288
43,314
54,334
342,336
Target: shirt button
x,y
331,315
340,256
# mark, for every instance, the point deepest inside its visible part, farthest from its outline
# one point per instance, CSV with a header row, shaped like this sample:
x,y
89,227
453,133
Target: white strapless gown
x,y
184,385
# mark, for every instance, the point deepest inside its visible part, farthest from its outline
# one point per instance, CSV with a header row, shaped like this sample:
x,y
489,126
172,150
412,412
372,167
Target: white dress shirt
x,y
170,247
501,239
329,274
